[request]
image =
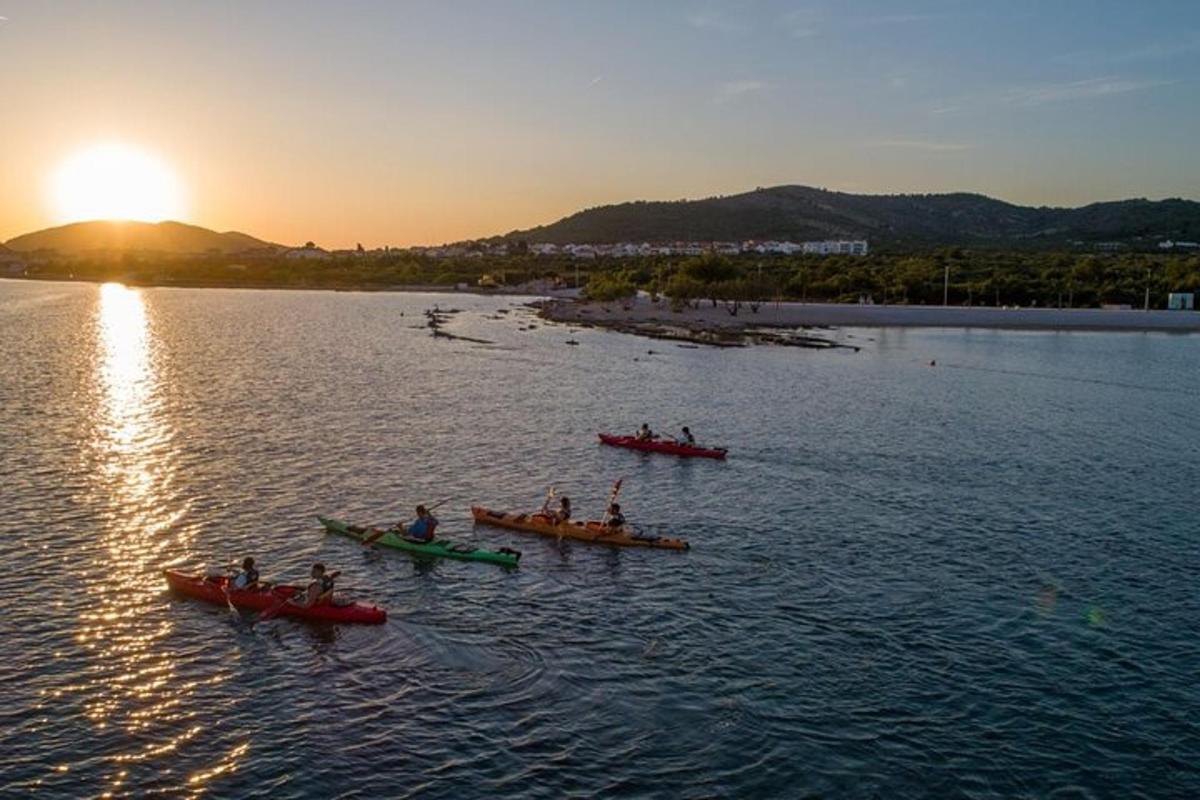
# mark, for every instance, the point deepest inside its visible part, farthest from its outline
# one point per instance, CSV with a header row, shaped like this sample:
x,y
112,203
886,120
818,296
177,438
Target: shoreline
x,y
716,326
510,291
642,315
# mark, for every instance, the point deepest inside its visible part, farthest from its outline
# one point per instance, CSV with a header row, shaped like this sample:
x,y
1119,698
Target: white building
x,y
308,253
857,247
580,250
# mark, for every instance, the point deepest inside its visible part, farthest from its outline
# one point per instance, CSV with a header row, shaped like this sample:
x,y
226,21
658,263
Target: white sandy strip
x,y
862,316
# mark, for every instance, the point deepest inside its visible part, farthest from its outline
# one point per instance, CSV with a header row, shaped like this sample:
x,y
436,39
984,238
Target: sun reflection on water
x,y
133,694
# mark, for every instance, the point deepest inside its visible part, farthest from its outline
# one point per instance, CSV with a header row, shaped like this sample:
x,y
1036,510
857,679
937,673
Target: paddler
x,y
422,528
686,438
614,519
320,588
247,579
644,433
562,513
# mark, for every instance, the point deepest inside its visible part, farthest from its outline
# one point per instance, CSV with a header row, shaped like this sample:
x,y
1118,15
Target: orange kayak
x,y
591,531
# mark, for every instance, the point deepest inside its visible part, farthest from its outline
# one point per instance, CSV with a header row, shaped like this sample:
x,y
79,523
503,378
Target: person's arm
x,y
306,600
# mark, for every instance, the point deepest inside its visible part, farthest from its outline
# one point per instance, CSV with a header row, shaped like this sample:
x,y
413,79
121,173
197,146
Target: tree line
x,y
962,277
959,277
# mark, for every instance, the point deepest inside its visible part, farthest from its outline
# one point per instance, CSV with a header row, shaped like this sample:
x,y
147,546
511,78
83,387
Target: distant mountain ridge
x,y
804,213
175,238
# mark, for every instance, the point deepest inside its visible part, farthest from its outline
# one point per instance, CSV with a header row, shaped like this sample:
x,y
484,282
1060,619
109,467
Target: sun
x,y
118,182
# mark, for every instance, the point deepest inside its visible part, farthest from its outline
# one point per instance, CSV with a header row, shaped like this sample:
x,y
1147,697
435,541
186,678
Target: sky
x,y
400,123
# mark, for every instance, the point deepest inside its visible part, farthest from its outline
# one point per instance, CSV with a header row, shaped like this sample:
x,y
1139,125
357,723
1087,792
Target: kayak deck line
x,y
438,548
591,531
215,589
662,446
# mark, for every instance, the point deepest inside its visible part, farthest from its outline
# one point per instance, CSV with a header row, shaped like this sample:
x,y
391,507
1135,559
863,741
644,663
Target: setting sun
x,y
115,181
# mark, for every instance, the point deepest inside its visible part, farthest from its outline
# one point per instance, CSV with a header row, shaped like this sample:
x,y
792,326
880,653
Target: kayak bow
x,y
438,548
662,446
591,531
213,589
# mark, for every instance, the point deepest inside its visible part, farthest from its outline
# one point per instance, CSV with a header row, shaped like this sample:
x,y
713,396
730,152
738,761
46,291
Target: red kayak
x,y
662,446
211,589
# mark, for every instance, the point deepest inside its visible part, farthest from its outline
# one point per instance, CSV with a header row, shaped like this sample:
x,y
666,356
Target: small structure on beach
x,y
1181,301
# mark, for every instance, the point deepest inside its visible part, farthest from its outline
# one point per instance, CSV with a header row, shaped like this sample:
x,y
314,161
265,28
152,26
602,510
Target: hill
x,y
162,237
802,213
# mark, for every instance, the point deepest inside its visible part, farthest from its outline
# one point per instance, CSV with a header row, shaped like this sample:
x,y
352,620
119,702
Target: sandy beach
x,y
644,313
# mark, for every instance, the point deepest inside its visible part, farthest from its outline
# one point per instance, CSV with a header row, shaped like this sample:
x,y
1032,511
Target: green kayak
x,y
438,548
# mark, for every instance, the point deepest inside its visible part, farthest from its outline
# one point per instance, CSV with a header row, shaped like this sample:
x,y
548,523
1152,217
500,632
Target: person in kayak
x,y
614,519
644,433
422,528
320,588
560,514
247,579
686,438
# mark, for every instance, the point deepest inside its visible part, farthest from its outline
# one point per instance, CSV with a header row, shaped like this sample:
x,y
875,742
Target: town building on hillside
x,y
580,250
690,248
309,251
856,247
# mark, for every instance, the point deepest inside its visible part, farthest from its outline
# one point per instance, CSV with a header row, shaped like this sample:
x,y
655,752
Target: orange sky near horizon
x,y
422,122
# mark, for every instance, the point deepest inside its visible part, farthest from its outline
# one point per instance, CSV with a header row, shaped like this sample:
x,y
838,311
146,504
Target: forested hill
x,y
800,213
163,237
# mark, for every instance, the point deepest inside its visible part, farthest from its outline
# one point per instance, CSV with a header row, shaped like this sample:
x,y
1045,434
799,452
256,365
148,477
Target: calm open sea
x,y
977,579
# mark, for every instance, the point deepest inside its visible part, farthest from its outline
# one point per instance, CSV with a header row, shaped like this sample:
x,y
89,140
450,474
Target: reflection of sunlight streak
x,y
199,780
133,688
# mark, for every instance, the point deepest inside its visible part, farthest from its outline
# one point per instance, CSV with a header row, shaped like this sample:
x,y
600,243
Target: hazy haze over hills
x,y
162,237
802,212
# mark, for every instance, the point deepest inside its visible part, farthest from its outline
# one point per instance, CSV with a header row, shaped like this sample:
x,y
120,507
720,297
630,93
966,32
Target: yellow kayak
x,y
591,531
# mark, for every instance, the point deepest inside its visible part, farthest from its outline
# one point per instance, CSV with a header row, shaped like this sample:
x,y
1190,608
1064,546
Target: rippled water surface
x,y
975,579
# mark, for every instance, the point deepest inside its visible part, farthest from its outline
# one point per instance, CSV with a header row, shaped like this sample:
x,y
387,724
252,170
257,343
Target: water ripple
x,y
904,582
